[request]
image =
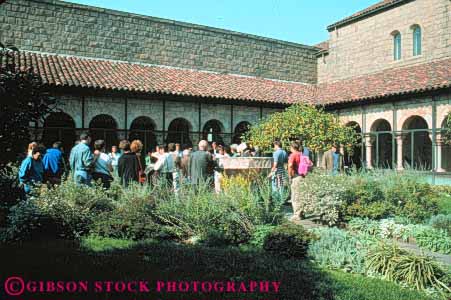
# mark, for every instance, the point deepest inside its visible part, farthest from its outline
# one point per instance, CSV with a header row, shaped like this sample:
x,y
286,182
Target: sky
x,y
299,21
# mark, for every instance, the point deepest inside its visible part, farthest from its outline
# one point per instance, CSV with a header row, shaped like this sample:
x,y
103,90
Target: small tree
x,y
24,99
318,129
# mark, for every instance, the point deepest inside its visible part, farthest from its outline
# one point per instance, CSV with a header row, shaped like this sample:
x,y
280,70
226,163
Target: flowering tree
x,y
318,129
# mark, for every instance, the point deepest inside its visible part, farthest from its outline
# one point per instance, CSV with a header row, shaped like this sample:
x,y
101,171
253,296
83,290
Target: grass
x,y
444,204
109,259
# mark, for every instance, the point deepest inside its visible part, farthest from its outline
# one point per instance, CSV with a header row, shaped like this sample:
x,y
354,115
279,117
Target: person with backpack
x,y
298,167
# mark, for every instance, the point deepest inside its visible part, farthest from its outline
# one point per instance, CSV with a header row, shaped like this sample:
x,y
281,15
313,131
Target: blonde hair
x,y
136,146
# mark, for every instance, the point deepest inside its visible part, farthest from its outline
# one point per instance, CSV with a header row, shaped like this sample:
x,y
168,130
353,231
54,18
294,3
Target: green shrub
x,y
259,235
401,266
323,195
199,212
432,239
337,249
364,225
288,240
441,222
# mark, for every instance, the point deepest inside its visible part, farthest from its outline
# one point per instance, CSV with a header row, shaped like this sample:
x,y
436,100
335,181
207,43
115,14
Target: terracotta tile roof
x,y
392,82
324,46
71,71
373,8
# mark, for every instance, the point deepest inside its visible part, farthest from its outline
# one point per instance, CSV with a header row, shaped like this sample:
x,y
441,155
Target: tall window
x,y
416,40
397,46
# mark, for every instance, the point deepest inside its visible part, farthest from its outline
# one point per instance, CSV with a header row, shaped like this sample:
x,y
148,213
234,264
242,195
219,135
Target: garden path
x,y
310,224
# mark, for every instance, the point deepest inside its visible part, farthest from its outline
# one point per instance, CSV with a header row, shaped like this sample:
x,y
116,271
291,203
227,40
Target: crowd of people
x,y
171,164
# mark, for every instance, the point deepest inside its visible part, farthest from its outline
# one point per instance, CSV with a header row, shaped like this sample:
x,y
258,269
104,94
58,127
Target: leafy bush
x,y
441,222
323,196
199,212
401,266
288,240
376,195
365,225
259,235
337,249
432,239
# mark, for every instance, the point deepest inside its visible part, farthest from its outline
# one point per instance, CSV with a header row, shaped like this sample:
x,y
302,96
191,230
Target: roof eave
x,y
365,15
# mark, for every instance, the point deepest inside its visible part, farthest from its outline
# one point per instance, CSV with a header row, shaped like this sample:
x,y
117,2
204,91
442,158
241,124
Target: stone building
x,y
385,70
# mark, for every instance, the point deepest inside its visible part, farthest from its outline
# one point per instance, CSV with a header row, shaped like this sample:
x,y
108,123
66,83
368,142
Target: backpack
x,y
305,165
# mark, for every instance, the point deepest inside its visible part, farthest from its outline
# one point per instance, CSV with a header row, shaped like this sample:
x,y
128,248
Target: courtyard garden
x,y
75,232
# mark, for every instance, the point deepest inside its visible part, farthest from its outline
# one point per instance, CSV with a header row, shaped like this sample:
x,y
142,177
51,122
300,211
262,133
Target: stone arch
x,y
142,128
212,131
382,144
354,159
59,126
179,132
104,127
240,129
417,144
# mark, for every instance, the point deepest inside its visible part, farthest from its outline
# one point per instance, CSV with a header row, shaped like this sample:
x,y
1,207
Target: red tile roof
x,y
373,8
324,46
391,82
70,71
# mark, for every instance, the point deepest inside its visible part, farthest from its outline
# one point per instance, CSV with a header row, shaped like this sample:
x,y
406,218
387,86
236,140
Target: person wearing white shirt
x,y
103,165
165,165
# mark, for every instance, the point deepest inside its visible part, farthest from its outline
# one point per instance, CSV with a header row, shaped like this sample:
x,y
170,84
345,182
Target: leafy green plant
x,y
259,235
441,222
288,240
401,266
432,239
337,249
323,195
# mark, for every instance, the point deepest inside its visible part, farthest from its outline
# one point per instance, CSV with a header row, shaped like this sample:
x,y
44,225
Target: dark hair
x,y
171,147
99,144
84,136
278,143
37,149
162,146
295,146
124,145
57,145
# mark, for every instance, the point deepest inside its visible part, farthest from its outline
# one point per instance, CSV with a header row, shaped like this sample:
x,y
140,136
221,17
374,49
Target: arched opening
x,y
446,149
417,145
212,131
416,37
240,129
397,53
382,144
59,126
142,128
178,132
104,127
353,158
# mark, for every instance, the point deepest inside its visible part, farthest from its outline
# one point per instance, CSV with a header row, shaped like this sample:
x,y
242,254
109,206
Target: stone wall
x,y
59,27
366,46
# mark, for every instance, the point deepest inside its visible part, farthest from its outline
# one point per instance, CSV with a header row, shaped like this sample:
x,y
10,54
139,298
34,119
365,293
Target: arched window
x,y
59,126
396,45
382,143
416,40
212,131
178,132
240,129
353,159
417,144
104,127
142,128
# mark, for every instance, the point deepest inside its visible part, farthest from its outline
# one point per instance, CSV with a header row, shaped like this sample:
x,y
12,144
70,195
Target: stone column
x,y
369,150
439,145
399,160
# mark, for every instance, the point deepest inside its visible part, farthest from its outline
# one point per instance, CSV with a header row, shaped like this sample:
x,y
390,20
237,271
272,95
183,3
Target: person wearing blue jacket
x,y
31,171
54,164
82,161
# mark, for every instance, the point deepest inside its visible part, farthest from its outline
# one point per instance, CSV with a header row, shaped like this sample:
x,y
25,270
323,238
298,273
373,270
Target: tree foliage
x,y
318,129
446,131
24,99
